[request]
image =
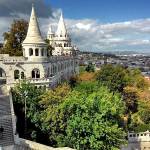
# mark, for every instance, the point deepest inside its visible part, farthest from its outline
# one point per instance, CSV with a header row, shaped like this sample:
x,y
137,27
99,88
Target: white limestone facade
x,y
35,65
60,40
138,141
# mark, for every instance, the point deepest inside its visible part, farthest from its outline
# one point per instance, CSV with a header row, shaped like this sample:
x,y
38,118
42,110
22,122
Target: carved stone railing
x,y
62,38
14,60
60,58
41,80
2,56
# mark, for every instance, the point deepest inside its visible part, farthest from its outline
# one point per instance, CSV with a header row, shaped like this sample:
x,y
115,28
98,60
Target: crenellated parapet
x,y
139,137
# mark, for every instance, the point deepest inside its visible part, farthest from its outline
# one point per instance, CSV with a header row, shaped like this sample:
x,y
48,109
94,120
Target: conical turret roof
x,y
61,30
33,34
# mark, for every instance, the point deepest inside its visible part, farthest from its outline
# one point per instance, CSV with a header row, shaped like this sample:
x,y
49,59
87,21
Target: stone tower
x,y
34,47
50,36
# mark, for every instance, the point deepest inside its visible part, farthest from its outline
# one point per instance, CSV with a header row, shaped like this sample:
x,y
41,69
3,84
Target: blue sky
x,y
107,25
104,10
94,25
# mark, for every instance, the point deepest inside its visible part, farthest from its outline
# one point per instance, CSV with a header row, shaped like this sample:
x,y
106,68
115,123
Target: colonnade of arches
x,y
35,74
63,44
55,68
37,52
51,70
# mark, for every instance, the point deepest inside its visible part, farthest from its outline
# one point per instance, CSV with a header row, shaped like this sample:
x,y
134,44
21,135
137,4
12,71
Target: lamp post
x,y
25,111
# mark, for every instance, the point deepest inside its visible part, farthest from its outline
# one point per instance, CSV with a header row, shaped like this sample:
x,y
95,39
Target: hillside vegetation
x,y
92,111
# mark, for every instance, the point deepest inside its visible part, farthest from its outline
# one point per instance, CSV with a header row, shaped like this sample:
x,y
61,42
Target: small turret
x,y
61,30
34,47
50,35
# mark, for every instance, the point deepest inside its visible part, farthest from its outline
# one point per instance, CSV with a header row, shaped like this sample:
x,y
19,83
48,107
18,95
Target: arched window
x,y
51,71
35,73
61,66
48,72
2,73
36,52
42,52
30,52
16,74
55,69
22,75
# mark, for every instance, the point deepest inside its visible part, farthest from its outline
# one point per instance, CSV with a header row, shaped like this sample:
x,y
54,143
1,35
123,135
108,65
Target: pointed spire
x,y
33,34
61,30
50,30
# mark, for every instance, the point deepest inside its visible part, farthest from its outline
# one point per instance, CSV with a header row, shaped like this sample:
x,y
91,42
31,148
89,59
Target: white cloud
x,y
131,35
83,26
90,34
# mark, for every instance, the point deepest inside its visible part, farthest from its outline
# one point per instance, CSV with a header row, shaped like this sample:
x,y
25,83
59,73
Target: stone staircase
x,y
5,118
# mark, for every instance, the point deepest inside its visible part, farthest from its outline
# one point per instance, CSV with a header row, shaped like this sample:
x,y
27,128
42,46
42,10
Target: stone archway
x,y
35,73
2,76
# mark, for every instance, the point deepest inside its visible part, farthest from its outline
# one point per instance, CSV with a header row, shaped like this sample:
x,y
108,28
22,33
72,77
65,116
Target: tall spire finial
x,y
61,30
33,2
61,13
33,34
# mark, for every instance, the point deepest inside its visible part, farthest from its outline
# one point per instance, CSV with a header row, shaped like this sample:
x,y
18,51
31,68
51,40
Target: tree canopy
x,y
85,117
90,68
14,38
134,90
89,114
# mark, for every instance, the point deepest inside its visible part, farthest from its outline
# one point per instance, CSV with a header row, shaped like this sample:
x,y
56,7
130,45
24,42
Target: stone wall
x,y
138,141
37,146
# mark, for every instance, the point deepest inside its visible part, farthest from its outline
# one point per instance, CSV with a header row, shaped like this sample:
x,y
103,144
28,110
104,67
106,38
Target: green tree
x,y
88,119
90,68
14,38
25,91
73,81
130,96
47,113
114,77
140,121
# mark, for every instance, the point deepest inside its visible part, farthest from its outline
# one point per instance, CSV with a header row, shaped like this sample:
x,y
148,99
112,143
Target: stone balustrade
x,y
141,137
7,59
2,56
40,81
60,58
14,60
68,48
62,38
